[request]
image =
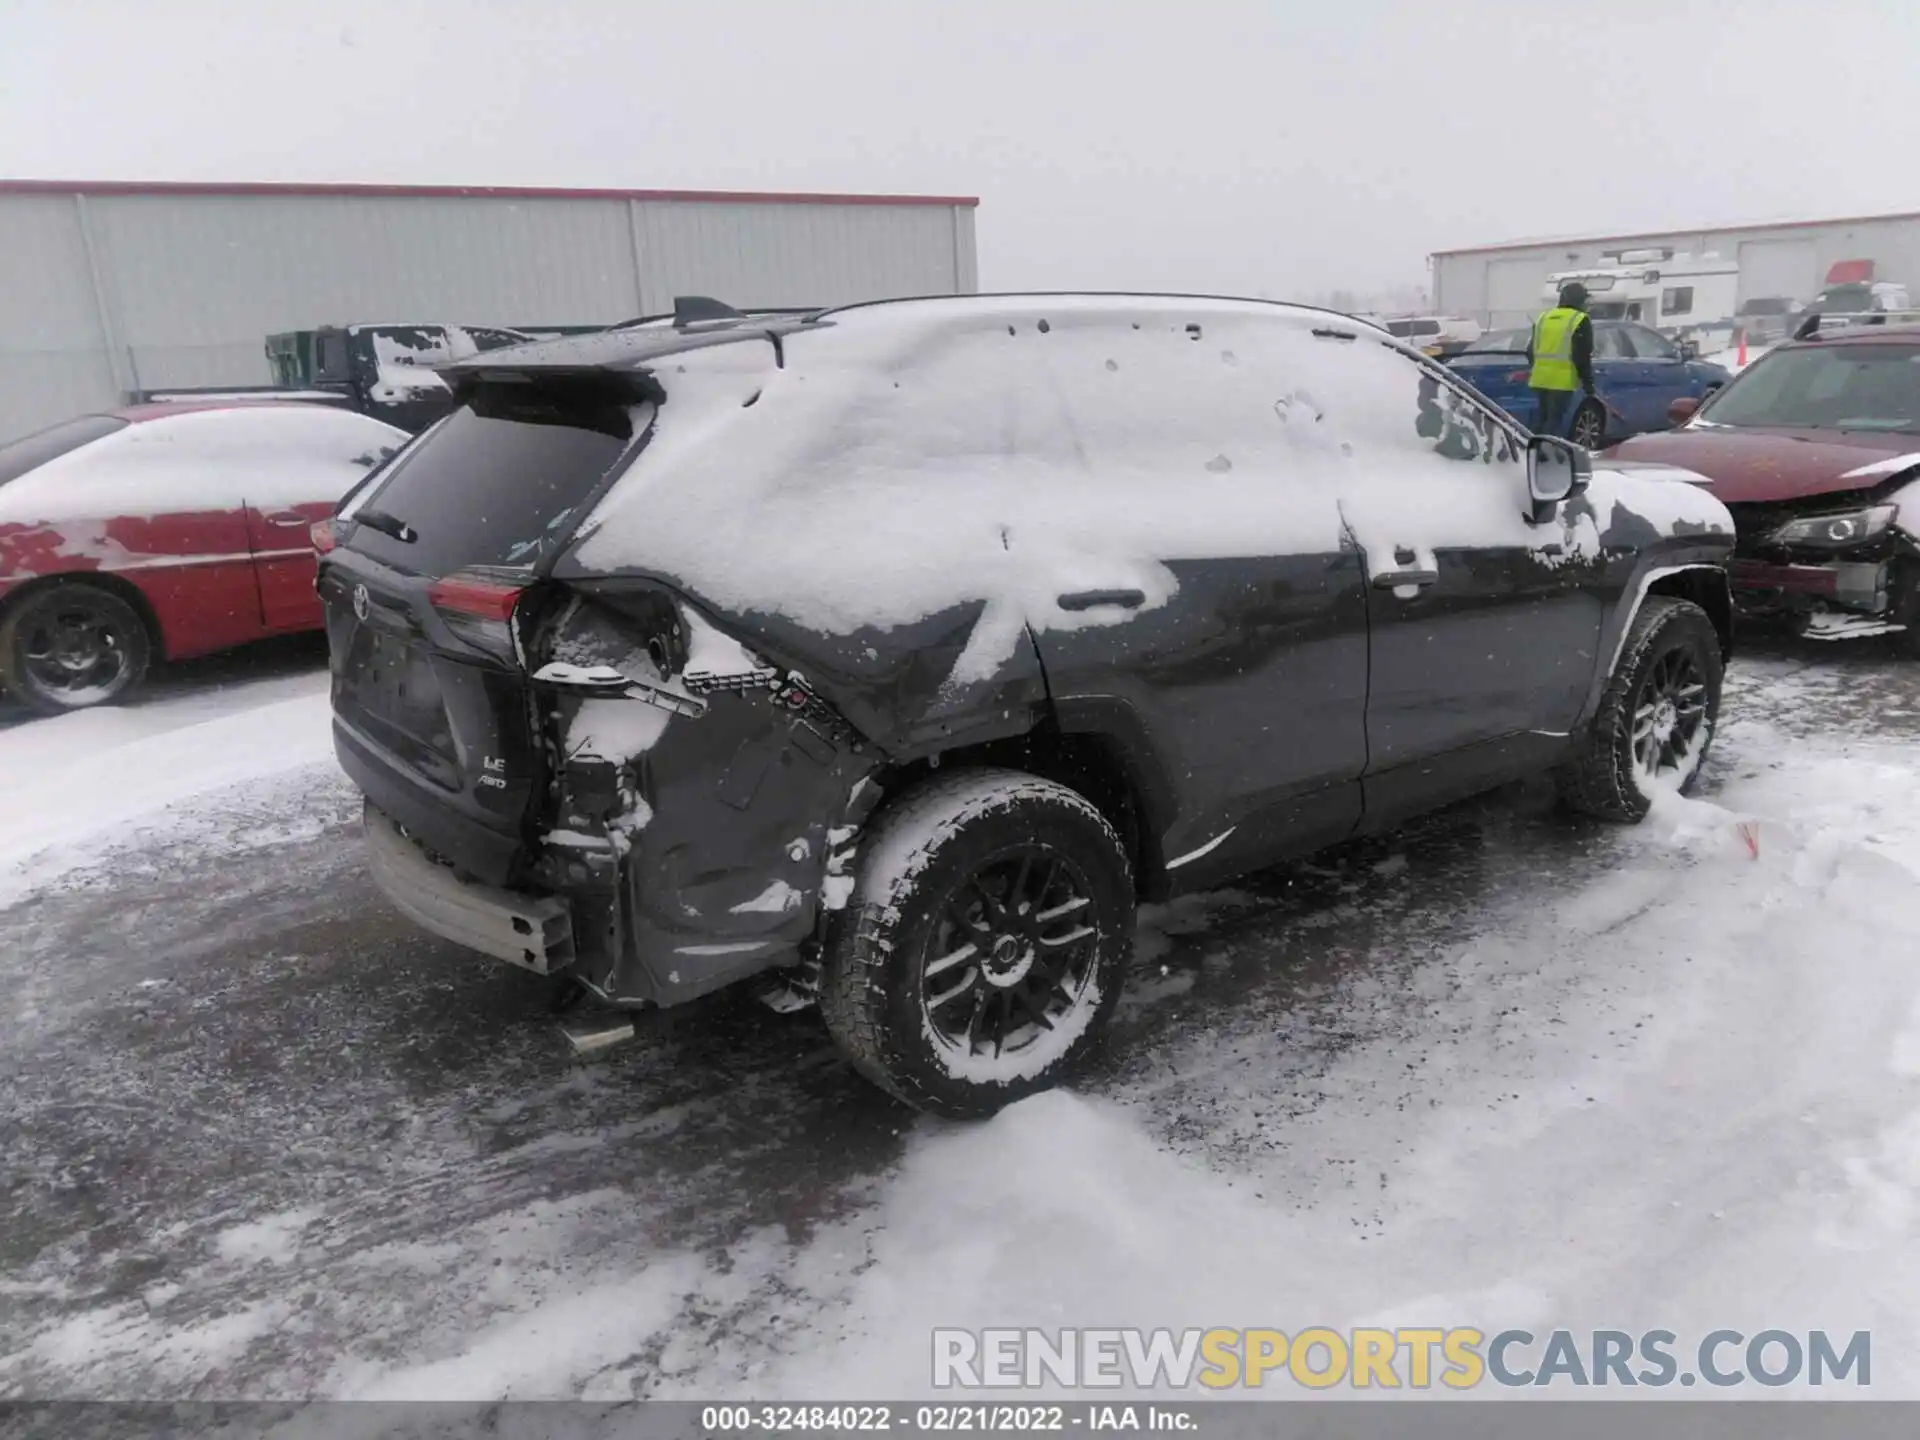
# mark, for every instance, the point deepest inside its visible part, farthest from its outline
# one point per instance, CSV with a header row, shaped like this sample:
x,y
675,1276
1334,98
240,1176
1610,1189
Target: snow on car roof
x,y
638,346
912,457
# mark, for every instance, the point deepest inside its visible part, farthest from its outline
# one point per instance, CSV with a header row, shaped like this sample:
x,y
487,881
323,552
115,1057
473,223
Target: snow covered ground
x,y
1505,1069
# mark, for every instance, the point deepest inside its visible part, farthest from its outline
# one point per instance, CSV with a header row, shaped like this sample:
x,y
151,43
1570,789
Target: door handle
x,y
1087,599
287,519
1394,579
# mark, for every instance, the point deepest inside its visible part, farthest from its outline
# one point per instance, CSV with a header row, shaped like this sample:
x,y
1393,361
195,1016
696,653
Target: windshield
x,y
1826,387
1768,306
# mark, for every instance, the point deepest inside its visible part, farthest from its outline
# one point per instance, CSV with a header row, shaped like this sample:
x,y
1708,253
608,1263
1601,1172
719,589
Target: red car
x,y
164,531
1815,449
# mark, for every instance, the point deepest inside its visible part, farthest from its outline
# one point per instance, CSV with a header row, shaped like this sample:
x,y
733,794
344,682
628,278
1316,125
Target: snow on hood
x,y
916,458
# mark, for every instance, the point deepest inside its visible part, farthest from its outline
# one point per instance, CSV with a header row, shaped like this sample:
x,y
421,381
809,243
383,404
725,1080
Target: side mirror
x,y
1689,349
1556,470
1682,408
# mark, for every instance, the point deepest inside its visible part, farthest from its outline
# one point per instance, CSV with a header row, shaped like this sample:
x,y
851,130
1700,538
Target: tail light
x,y
478,607
323,535
1518,377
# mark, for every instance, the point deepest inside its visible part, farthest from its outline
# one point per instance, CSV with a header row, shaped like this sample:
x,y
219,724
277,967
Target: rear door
x,y
1236,658
433,715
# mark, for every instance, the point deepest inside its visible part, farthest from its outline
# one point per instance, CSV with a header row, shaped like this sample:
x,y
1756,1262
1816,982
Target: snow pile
x,y
1679,1090
82,787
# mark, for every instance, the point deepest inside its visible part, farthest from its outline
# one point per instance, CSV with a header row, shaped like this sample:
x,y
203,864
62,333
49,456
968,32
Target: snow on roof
x,y
916,458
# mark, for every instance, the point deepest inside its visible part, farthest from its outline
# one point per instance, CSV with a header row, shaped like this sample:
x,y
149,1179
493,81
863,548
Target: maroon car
x,y
1815,449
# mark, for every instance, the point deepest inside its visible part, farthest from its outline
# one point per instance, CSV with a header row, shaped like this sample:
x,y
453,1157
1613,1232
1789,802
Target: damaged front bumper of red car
x,y
1834,572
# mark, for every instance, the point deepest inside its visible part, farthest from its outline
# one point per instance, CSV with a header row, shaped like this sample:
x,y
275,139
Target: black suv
x,y
901,650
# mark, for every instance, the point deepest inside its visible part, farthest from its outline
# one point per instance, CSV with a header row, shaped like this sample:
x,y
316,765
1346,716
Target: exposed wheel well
x,y
1089,764
1707,588
100,580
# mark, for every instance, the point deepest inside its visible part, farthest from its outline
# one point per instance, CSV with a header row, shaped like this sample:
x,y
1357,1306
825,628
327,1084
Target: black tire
x,y
1634,746
941,877
1590,420
72,645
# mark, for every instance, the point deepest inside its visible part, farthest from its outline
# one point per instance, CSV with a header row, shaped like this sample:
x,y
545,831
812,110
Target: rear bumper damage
x,y
533,932
691,840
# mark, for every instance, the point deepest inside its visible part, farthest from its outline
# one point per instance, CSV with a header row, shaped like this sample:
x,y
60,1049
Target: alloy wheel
x,y
1669,713
1012,954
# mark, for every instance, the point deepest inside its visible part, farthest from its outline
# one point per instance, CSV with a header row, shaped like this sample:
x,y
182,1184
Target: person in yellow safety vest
x,y
1560,358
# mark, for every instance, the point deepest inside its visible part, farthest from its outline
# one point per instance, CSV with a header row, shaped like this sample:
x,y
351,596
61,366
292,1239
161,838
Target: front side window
x,y
1651,345
1610,343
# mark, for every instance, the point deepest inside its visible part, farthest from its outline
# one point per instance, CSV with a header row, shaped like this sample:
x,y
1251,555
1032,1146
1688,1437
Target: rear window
x,y
38,448
1500,342
1826,387
498,481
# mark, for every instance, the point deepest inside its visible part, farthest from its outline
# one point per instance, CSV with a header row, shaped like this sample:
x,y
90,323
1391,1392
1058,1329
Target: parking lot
x,y
265,1138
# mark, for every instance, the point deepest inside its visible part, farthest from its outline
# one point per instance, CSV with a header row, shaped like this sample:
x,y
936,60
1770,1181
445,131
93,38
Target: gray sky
x,y
1251,146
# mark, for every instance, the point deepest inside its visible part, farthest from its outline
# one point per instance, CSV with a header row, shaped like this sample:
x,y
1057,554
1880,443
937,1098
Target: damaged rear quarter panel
x,y
724,867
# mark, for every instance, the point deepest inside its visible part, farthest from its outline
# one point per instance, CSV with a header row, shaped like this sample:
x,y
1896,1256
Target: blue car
x,y
1638,373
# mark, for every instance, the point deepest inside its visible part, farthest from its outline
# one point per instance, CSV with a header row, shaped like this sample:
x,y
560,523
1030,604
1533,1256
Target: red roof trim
x,y
1663,234
475,192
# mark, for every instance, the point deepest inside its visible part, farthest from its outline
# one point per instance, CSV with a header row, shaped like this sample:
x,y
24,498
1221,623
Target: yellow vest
x,y
1553,350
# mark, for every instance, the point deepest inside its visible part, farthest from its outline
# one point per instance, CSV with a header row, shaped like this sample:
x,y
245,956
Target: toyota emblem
x,y
360,601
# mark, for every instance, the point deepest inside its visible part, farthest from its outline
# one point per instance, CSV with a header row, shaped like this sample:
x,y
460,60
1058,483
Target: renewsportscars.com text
x,y
1460,1358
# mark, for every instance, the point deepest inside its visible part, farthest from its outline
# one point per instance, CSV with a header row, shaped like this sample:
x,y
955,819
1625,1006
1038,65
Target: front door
x,y
1483,625
1650,379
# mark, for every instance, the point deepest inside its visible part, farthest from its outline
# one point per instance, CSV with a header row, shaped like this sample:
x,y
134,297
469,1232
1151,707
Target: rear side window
x,y
50,444
498,481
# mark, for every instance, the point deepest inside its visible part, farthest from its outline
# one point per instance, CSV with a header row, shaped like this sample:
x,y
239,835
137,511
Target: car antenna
x,y
696,309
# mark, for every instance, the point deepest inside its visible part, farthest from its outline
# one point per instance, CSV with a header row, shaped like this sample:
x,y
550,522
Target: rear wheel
x,y
1656,717
1589,428
985,943
72,645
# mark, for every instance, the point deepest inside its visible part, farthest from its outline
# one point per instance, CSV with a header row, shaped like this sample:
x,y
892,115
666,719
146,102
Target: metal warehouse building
x,y
1500,284
107,288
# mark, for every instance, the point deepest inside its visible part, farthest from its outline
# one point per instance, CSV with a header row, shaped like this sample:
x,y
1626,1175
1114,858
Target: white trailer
x,y
1685,293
